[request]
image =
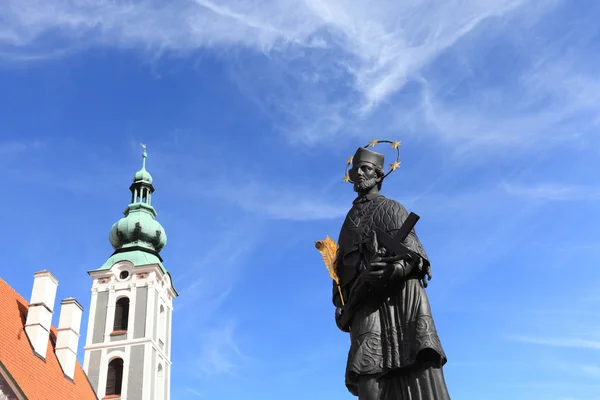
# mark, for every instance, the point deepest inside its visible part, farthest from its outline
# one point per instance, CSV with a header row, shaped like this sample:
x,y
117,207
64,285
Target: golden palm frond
x,y
328,249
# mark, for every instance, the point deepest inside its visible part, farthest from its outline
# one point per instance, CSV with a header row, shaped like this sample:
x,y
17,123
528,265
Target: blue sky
x,y
250,110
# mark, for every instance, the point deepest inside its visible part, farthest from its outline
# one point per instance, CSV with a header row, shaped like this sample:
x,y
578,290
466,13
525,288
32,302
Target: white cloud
x,y
194,392
560,342
12,147
591,370
370,52
272,196
565,386
23,161
332,68
588,370
15,147
552,103
552,192
284,202
219,353
217,271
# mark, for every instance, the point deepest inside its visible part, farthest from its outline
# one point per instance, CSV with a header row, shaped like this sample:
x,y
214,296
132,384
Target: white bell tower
x,y
128,344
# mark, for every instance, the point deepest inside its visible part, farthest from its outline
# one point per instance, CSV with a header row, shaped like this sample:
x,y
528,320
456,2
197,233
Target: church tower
x,y
128,344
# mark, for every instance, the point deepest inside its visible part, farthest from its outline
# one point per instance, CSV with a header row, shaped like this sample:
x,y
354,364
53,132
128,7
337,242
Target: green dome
x,y
138,237
137,257
139,227
142,176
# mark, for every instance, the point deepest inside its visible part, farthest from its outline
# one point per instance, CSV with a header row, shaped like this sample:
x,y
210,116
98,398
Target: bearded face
x,y
365,177
364,184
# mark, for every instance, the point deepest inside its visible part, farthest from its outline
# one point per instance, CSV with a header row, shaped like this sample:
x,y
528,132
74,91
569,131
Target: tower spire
x,y
144,156
139,229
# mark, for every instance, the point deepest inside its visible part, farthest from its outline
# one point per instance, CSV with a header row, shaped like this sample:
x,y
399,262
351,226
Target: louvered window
x,y
121,314
114,378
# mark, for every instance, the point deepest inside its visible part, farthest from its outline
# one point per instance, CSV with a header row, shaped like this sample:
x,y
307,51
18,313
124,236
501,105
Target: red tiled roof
x,y
38,379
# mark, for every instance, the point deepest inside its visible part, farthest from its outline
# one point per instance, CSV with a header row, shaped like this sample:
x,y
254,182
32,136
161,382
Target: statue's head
x,y
367,170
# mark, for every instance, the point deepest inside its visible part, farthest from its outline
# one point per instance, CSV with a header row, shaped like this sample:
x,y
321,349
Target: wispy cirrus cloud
x,y
339,69
219,352
15,147
206,286
589,370
562,386
567,342
552,192
194,392
66,158
547,105
333,68
284,202
218,269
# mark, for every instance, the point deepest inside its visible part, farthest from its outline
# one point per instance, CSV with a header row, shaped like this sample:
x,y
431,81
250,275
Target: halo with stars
x,y
393,166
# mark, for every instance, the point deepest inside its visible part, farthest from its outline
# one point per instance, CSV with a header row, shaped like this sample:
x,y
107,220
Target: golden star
x,y
394,166
395,145
349,161
372,143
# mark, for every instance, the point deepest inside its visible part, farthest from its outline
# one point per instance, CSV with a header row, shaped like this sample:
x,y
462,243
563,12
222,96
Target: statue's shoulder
x,y
390,213
391,205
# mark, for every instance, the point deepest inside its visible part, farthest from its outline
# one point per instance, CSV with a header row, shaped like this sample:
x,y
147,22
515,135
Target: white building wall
x,y
157,294
90,328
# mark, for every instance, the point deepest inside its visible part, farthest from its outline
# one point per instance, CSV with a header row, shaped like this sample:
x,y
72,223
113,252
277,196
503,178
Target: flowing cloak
x,y
394,333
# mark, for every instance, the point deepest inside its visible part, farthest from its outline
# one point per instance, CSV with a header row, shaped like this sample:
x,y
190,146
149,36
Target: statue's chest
x,y
361,216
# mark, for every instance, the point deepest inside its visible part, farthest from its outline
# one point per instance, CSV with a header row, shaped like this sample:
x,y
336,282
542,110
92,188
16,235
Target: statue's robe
x,y
393,336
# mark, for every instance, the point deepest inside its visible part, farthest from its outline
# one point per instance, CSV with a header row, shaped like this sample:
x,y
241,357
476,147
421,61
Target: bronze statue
x,y
381,272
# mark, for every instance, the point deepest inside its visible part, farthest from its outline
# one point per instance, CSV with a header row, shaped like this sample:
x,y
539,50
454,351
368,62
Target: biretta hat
x,y
366,155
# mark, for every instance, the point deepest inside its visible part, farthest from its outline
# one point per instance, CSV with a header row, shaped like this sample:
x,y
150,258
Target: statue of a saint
x,y
395,352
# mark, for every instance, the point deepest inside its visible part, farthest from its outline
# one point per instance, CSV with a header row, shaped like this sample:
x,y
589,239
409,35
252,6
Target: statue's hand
x,y
379,272
384,269
425,272
338,315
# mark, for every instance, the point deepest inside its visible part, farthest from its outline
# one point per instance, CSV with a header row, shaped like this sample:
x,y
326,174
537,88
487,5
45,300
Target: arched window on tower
x,y
160,387
121,314
161,327
114,377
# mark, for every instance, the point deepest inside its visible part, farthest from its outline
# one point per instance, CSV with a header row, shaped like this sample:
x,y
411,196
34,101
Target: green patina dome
x,y
139,227
138,237
142,176
137,258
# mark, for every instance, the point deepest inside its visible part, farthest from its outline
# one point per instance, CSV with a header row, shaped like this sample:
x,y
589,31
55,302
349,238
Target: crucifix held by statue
x,y
380,271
